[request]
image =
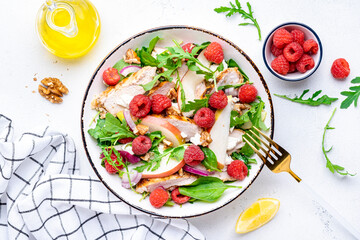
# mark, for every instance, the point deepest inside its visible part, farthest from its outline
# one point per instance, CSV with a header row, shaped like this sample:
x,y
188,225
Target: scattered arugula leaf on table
x,y
236,8
332,167
325,99
352,96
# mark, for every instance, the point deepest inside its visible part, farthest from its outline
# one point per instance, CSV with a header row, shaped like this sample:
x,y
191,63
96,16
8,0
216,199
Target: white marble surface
x,y
297,127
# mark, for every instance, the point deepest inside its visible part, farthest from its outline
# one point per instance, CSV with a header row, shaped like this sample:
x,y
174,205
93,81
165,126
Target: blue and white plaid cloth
x,y
43,197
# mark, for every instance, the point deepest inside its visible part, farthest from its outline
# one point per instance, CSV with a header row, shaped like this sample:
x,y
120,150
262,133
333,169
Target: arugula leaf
x,y
238,9
352,96
231,64
332,167
166,75
223,87
325,99
253,115
156,138
207,189
197,48
210,160
244,158
195,105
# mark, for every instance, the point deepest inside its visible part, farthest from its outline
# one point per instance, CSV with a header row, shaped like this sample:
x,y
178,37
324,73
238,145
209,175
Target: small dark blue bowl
x,y
309,34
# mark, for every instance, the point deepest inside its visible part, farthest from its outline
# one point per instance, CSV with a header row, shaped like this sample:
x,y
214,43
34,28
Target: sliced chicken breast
x,y
229,76
187,127
235,141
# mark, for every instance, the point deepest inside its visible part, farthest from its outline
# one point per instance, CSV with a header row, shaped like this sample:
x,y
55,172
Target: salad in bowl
x,y
170,123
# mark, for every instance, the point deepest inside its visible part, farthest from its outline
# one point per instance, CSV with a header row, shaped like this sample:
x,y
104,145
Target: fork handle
x,y
330,209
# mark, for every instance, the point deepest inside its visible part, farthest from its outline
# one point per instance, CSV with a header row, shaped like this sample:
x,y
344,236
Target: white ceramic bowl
x,y
167,33
309,34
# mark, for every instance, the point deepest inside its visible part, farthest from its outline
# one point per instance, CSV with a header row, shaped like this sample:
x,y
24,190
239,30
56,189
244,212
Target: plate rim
x,y
168,27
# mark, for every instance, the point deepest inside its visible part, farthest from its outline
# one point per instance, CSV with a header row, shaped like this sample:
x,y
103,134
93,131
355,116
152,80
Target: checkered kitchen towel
x,y
43,198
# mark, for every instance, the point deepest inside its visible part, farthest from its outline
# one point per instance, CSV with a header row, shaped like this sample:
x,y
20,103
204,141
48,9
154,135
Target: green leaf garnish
x,y
325,99
195,105
210,160
236,8
352,96
231,64
244,158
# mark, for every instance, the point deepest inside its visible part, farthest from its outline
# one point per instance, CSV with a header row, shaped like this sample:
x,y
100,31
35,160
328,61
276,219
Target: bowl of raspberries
x,y
292,51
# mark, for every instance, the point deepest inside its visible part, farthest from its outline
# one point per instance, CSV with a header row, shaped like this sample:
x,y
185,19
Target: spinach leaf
x,y
120,65
210,160
177,153
244,158
352,96
207,189
325,99
152,44
231,63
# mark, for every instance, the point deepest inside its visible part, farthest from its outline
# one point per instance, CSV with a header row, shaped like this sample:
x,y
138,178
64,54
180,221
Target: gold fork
x,y
277,159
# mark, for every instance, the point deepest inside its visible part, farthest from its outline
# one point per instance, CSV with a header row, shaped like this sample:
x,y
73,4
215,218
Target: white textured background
x,y
297,127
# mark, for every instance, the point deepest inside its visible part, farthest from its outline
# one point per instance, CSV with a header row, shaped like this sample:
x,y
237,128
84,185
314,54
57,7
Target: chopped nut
x,y
181,172
237,108
173,111
205,138
49,96
54,89
167,143
245,106
172,94
131,57
146,157
141,129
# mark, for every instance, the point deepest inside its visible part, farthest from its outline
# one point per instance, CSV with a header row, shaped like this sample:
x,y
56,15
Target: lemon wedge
x,y
258,214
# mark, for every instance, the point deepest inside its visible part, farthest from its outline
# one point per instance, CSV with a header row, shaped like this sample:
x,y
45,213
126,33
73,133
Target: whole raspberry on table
x,y
188,47
178,198
218,100
125,140
159,103
193,155
282,37
311,46
158,197
276,51
292,67
305,63
140,106
141,145
237,169
293,52
298,36
111,76
247,93
280,65
214,53
109,167
204,117
340,68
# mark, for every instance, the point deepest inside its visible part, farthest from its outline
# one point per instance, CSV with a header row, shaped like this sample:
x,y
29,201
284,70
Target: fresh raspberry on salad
x,y
112,167
178,198
311,46
280,65
159,103
276,51
305,63
141,145
293,52
204,117
125,140
193,155
214,53
247,93
340,68
282,37
218,100
237,169
158,197
111,76
188,47
140,106
298,36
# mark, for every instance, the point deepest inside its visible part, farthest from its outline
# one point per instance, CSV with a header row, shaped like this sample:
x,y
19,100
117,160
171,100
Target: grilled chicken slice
x,y
117,98
229,76
187,126
163,88
149,185
235,141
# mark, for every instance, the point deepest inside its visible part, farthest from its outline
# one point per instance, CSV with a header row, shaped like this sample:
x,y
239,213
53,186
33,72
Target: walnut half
x,y
131,57
52,90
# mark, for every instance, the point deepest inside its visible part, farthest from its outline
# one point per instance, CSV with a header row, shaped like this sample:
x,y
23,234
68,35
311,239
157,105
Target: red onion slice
x,y
129,69
129,157
129,119
195,171
135,177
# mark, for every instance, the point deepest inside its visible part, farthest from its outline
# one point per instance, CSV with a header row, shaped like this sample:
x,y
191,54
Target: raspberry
x,y
311,46
160,102
214,53
126,140
109,168
204,117
247,93
140,106
298,36
276,51
292,67
111,76
158,197
281,38
188,47
178,198
293,52
141,145
193,155
218,100
237,169
280,65
305,63
340,68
